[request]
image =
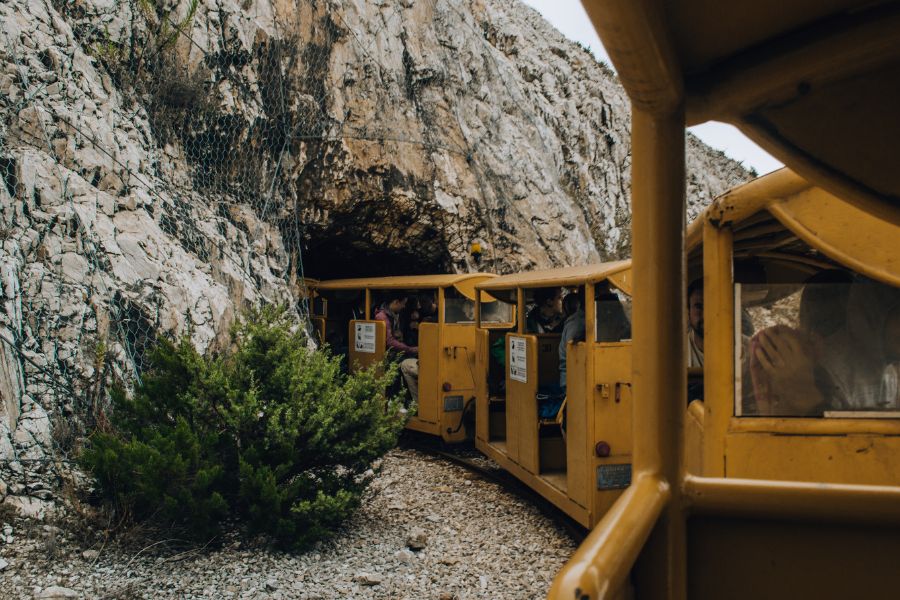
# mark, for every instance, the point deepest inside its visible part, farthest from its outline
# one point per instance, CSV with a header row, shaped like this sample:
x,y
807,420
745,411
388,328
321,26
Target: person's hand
x,y
788,365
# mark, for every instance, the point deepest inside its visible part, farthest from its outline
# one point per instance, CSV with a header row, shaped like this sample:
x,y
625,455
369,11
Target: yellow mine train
x,y
783,479
771,467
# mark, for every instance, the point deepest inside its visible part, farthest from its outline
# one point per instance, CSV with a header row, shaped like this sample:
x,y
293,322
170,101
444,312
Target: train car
x,y
753,491
570,444
446,340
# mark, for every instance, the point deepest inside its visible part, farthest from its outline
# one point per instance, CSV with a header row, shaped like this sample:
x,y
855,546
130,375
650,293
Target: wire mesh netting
x,y
152,183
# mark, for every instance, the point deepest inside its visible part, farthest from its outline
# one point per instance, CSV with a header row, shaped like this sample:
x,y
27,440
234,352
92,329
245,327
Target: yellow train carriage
x,y
446,345
577,454
727,502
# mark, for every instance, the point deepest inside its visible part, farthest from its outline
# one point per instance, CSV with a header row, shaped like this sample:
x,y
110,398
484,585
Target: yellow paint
x,y
363,360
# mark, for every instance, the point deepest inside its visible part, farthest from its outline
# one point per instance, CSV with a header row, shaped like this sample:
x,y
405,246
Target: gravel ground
x,y
429,530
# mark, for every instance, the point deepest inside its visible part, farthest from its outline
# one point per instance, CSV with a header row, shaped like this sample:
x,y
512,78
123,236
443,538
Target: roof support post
x,y
659,376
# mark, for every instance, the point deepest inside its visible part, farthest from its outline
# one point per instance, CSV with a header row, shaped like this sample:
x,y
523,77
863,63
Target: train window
x,y
827,347
457,307
497,312
613,314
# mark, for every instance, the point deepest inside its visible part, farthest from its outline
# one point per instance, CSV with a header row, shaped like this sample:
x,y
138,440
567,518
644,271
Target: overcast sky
x,y
569,17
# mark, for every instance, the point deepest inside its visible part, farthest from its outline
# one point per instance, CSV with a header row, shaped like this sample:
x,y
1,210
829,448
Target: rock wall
x,y
166,163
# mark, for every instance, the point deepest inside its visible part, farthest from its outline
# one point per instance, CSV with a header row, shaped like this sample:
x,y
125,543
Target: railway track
x,y
465,456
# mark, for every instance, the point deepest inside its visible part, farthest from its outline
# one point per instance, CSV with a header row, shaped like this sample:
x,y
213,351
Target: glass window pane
x,y
817,349
458,308
613,315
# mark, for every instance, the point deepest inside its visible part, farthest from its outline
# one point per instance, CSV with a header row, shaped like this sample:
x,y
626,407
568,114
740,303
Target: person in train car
x,y
389,314
546,316
844,355
695,324
410,317
573,330
866,371
427,308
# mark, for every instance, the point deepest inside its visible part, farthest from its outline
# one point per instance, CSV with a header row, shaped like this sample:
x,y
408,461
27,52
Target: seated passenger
x,y
573,331
410,317
695,324
867,376
834,360
546,316
389,314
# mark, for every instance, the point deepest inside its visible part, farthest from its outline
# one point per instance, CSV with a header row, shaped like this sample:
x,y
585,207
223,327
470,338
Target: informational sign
x,y
613,477
518,359
365,338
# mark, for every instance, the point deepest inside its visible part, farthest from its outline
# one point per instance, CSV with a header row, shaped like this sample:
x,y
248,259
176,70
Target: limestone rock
x,y
56,592
272,140
417,538
369,578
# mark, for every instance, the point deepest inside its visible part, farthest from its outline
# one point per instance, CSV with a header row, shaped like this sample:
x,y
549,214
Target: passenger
x,y
785,364
389,314
612,321
573,331
546,316
410,317
695,324
427,308
867,376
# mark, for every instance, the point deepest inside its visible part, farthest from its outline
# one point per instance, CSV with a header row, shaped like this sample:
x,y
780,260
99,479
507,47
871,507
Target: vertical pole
x,y
368,314
590,316
520,310
718,345
477,308
659,376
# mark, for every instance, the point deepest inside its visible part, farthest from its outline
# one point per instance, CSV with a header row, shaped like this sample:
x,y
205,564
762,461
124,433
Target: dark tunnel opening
x,y
343,256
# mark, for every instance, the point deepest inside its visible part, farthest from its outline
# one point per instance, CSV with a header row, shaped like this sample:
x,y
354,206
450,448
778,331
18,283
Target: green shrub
x,y
272,433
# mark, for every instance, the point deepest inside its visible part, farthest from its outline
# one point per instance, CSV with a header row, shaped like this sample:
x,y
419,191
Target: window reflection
x,y
828,346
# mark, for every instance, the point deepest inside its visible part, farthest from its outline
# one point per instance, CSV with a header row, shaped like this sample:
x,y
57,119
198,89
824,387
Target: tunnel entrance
x,y
342,255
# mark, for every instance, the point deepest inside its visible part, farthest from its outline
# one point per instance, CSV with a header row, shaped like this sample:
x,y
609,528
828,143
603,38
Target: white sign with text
x,y
518,359
365,338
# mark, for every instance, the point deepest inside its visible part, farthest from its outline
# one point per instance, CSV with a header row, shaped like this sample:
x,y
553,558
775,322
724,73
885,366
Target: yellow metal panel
x,y
622,280
457,368
466,287
362,360
406,282
693,438
718,313
429,356
784,559
561,276
521,408
612,414
860,459
871,246
579,450
482,364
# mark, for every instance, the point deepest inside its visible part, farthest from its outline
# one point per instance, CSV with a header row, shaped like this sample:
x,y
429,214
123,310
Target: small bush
x,y
272,433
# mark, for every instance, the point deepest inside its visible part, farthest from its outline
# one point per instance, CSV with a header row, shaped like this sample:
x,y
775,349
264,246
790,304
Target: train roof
x,y
404,282
618,272
770,213
815,83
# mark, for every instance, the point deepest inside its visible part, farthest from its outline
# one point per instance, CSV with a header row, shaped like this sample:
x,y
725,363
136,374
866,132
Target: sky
x,y
568,16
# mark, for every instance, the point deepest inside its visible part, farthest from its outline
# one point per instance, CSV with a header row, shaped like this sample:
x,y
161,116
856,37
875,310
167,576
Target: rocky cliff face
x,y
165,163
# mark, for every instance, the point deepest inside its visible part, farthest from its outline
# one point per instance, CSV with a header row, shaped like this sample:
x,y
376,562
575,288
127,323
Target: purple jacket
x,y
393,336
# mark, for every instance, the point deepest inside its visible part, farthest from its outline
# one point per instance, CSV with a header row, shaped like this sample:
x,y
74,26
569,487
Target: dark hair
x,y
542,295
571,303
695,286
